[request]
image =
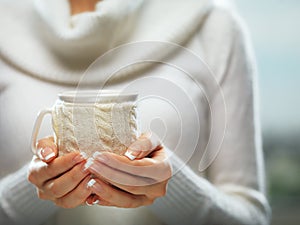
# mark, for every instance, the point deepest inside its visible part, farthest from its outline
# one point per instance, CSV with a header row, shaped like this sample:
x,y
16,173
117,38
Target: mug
x,y
90,121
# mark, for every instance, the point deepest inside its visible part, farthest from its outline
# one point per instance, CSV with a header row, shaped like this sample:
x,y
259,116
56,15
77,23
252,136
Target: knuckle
x,y
49,172
54,190
31,177
77,174
41,195
81,194
74,178
32,174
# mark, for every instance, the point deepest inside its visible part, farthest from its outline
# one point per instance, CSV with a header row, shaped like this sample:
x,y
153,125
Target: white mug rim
x,y
96,96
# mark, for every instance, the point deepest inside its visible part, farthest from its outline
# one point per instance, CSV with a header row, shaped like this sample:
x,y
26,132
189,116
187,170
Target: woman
x,y
46,46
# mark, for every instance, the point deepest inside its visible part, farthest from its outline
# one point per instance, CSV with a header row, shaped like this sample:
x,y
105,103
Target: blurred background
x,y
275,30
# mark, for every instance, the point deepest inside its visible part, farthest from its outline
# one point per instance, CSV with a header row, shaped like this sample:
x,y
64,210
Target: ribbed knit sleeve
x,y
233,189
191,199
19,202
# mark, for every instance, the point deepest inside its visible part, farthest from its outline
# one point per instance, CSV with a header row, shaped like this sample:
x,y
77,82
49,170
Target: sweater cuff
x,y
191,199
184,198
20,202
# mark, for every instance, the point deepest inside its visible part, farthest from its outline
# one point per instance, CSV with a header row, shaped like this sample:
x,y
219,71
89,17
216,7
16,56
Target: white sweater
x,y
226,189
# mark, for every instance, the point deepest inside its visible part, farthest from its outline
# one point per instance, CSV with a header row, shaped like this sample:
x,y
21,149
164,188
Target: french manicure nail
x,y
96,154
84,155
78,158
88,204
47,153
88,163
96,202
129,155
91,183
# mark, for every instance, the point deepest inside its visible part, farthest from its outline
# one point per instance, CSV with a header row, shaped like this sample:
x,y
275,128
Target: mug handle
x,y
37,126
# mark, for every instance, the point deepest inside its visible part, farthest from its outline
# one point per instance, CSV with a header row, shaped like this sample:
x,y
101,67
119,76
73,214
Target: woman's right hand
x,y
63,179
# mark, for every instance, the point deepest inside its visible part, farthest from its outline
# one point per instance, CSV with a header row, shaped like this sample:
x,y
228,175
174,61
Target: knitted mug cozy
x,y
90,121
94,127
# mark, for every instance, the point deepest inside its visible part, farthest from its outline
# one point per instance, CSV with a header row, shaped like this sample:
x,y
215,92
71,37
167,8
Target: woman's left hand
x,y
127,183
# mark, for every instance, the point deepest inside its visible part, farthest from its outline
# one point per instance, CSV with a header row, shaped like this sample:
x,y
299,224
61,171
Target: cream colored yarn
x,y
94,127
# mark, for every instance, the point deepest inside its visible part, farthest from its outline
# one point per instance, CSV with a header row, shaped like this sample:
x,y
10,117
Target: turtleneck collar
x,y
83,37
44,40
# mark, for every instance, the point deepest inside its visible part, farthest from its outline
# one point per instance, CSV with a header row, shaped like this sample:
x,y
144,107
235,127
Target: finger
x,y
113,175
152,191
104,203
117,197
76,197
156,168
92,200
40,172
46,149
64,184
34,168
143,146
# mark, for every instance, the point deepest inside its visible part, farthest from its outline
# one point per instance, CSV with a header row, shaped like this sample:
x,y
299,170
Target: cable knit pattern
x,y
94,127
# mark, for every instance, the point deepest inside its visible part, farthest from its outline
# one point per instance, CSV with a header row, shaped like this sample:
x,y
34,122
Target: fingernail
x,y
96,202
91,183
78,158
84,155
129,155
88,163
96,154
47,153
88,204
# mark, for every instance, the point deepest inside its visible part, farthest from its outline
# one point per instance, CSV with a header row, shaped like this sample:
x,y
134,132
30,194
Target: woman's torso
x,y
171,104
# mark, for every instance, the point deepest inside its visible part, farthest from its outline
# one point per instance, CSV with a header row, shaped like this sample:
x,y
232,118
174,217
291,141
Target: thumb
x,y
143,146
46,149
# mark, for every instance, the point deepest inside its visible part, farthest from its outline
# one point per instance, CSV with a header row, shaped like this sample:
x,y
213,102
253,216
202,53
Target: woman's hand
x,y
63,179
143,146
129,183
